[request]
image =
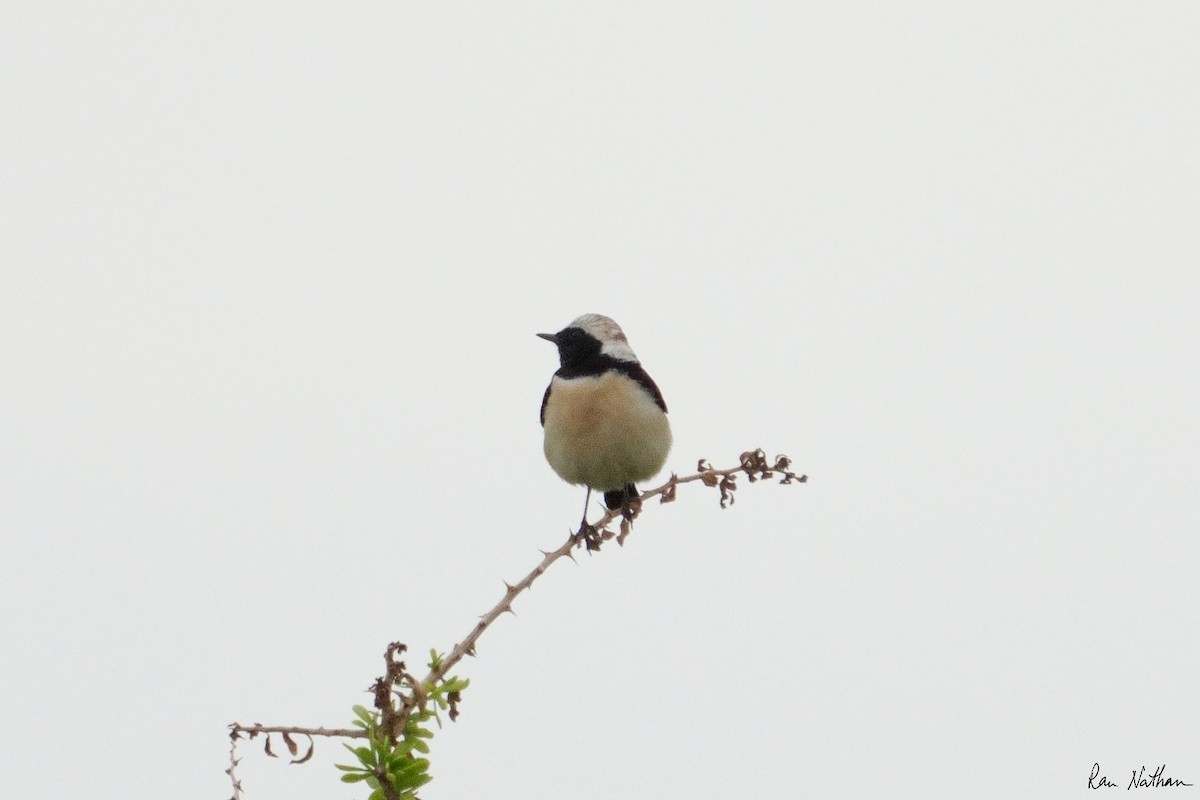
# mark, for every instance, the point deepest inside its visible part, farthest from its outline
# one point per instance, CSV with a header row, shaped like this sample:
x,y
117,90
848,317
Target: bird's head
x,y
589,336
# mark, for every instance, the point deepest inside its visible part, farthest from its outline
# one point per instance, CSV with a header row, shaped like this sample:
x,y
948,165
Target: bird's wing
x,y
545,399
634,370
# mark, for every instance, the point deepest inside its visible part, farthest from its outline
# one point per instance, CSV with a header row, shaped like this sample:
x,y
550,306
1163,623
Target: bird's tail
x,y
618,497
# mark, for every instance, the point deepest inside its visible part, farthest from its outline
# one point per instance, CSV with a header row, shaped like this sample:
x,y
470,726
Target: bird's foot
x,y
588,535
626,499
631,507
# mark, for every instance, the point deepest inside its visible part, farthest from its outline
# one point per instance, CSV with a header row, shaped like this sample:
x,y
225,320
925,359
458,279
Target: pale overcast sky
x,y
271,278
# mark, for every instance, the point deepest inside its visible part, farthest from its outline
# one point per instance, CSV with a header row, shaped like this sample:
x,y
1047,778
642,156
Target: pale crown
x,y
608,333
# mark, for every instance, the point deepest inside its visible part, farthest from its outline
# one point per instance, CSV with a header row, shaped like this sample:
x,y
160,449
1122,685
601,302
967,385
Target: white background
x,y
271,275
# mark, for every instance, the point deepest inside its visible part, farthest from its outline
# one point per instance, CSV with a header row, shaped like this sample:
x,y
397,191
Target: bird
x,y
604,419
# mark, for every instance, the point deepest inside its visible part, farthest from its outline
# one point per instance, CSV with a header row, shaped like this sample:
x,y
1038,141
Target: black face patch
x,y
576,347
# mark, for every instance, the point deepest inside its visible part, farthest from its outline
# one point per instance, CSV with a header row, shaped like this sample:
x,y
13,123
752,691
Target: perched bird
x,y
605,420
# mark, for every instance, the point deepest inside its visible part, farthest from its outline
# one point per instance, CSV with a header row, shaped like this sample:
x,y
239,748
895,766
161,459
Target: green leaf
x,y
400,754
364,755
417,765
348,768
381,748
413,780
363,714
408,782
419,744
355,777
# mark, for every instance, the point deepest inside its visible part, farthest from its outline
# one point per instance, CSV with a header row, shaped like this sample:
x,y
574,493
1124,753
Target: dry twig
x,y
752,463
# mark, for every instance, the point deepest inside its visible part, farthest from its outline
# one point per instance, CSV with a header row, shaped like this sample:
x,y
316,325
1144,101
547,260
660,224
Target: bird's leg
x,y
587,499
583,523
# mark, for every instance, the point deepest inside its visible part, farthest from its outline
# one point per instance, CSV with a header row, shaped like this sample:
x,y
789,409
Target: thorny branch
x,y
752,462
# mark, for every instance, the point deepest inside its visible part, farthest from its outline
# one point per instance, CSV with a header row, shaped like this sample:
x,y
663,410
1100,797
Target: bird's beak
x,y
549,337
